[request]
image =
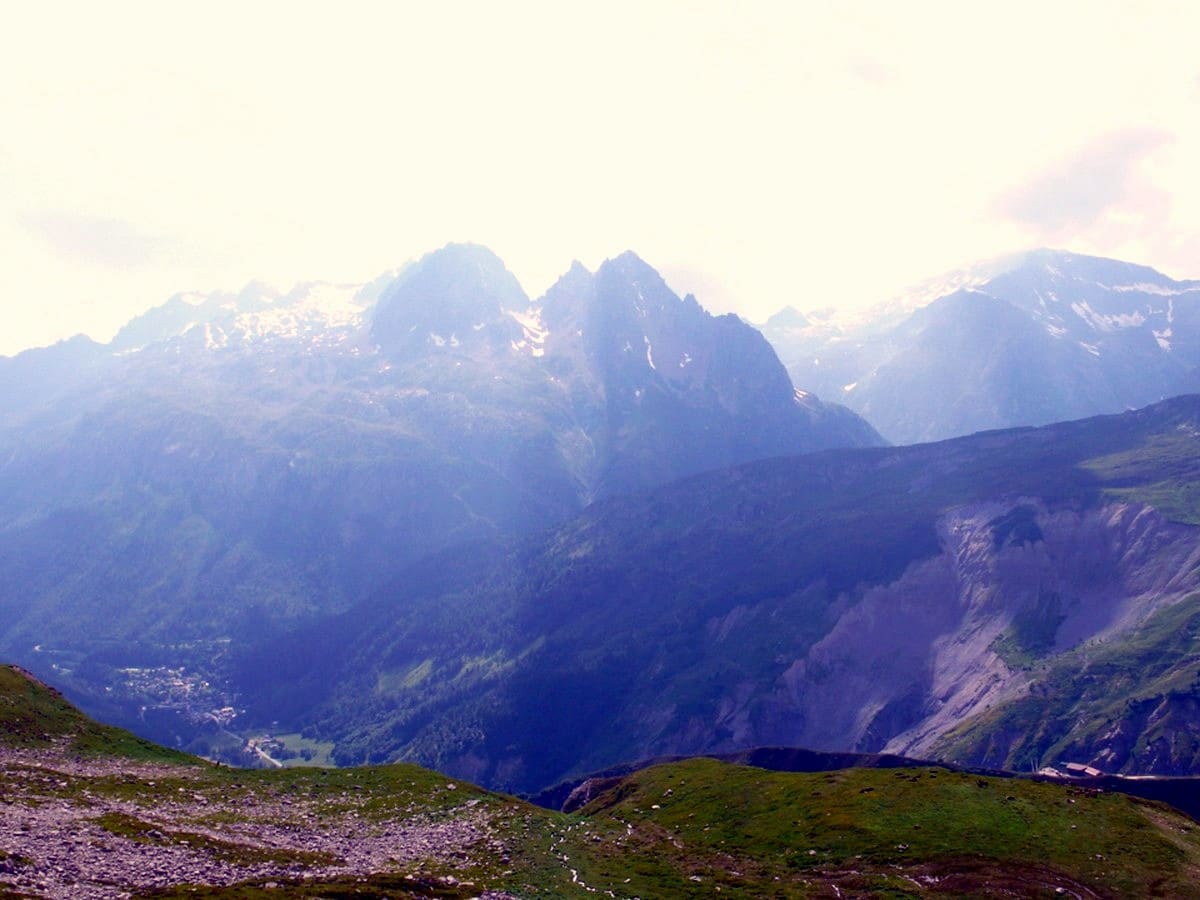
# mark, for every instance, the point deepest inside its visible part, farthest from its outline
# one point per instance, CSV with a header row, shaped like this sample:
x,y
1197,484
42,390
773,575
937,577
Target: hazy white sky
x,y
758,154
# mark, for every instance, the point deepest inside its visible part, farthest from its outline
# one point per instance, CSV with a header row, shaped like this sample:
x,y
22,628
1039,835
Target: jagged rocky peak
x,y
564,322
631,293
642,340
578,273
626,321
636,279
567,303
459,295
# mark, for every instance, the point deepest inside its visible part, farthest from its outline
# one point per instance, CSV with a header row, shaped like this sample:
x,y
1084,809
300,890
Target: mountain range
x,y
431,519
1029,339
233,465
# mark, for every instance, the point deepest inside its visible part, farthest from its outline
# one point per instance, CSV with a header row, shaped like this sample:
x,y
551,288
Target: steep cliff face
x,y
1125,702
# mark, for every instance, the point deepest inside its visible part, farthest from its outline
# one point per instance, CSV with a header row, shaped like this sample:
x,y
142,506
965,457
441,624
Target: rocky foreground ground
x,y
80,827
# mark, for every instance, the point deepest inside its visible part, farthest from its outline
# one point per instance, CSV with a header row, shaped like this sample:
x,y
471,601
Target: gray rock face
x,y
1042,337
669,390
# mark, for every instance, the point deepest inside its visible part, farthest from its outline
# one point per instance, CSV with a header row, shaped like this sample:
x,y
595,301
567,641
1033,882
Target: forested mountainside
x,y
863,600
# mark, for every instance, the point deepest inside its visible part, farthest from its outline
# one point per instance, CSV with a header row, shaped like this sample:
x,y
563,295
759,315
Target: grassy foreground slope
x,y
33,714
117,821
899,832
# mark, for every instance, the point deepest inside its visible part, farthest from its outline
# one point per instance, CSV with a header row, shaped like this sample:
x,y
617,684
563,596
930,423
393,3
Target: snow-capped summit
x,y
1085,298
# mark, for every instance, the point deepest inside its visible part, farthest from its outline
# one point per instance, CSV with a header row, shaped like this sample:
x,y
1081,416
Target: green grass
x,y
305,751
713,819
1160,470
33,714
1175,500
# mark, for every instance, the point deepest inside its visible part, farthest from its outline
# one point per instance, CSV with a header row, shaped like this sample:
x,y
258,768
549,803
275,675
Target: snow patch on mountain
x,y
214,337
1021,347
1102,322
309,310
534,328
1059,266
640,303
318,312
1144,287
1164,336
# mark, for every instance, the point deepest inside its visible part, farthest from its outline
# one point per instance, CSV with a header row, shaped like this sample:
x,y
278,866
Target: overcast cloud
x,y
95,239
1073,194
